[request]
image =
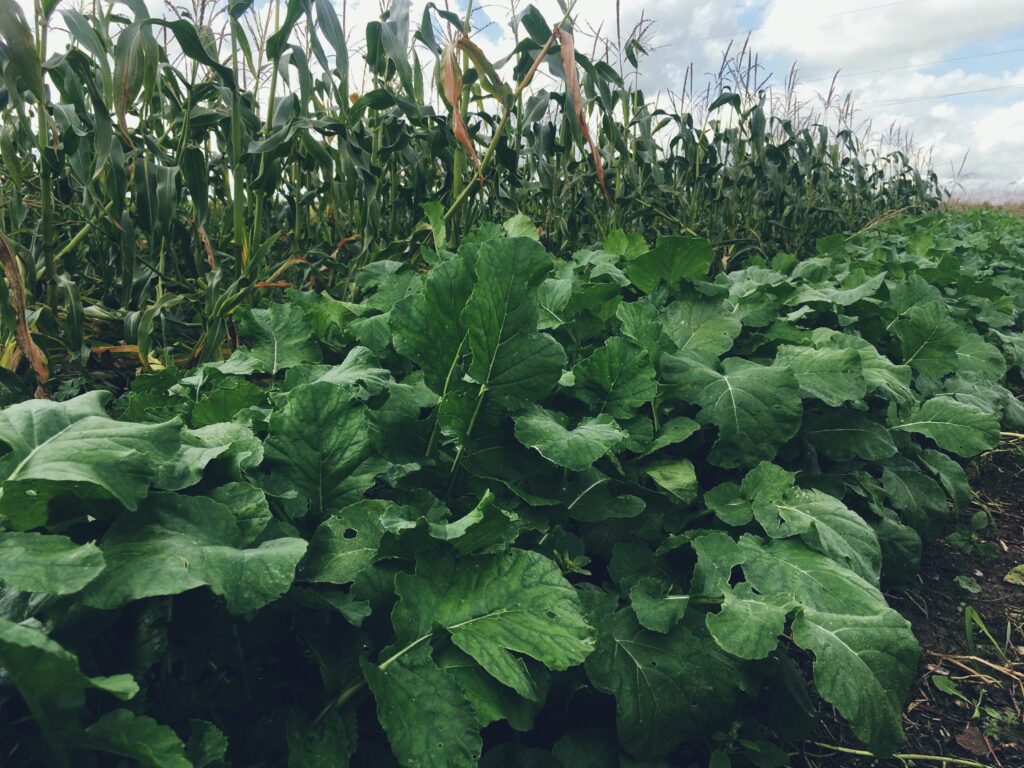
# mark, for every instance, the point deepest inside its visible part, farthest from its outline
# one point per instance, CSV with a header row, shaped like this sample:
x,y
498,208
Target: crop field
x,y
481,413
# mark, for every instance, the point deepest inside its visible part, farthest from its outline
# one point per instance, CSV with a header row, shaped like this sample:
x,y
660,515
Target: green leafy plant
x,y
503,494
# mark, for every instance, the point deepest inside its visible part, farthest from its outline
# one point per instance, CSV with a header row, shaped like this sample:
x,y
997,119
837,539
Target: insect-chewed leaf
x,y
428,720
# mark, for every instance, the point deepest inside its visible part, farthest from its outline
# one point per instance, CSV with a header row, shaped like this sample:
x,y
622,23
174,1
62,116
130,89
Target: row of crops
x,y
555,510
180,167
476,413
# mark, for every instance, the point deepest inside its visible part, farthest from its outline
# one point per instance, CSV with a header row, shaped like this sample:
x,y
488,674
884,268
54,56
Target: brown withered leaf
x,y
568,47
26,343
451,82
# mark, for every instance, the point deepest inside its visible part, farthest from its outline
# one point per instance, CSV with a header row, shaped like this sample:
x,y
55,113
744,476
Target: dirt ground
x,y
967,704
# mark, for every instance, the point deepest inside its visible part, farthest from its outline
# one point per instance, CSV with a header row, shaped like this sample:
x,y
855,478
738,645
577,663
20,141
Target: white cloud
x,y
1002,127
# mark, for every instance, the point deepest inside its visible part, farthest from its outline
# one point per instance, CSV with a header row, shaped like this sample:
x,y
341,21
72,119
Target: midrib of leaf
x,y
732,399
611,389
907,424
501,332
847,647
28,458
355,688
925,343
273,366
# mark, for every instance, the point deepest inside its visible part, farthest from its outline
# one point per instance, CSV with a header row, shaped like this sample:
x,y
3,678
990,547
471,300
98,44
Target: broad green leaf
x,y
577,448
345,543
833,376
49,679
954,426
33,562
428,720
668,688
491,700
74,448
698,323
747,626
827,525
729,504
844,435
951,475
865,654
642,324
769,495
426,327
880,373
756,408
224,401
919,498
434,212
279,336
929,339
136,737
854,288
617,379
207,745
485,529
521,226
674,431
319,445
863,665
676,476
493,607
977,356
176,543
358,372
230,444
656,608
249,506
509,357
672,260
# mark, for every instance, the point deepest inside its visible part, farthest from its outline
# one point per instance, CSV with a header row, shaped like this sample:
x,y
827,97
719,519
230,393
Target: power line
x,y
912,99
915,66
740,32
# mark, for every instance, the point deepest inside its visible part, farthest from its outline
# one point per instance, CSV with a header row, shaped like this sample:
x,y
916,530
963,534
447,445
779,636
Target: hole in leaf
x,y
349,533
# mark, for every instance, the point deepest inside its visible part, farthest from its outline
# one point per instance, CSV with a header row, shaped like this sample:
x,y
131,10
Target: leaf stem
x,y
903,756
431,444
469,431
355,688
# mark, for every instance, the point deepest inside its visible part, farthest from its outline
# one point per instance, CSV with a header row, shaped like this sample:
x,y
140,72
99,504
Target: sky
x,y
949,72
